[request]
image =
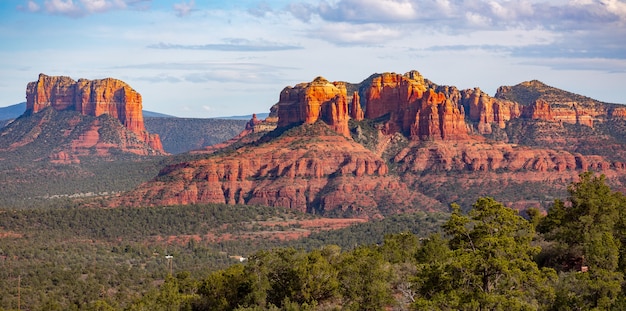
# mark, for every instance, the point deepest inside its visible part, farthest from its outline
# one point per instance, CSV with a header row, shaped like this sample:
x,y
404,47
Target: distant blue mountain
x,y
152,114
259,116
12,112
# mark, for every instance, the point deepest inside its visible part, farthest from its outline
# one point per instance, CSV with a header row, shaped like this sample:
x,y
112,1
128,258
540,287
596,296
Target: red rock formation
x,y
483,110
396,95
542,102
482,156
356,112
538,110
318,100
92,98
311,169
413,107
618,113
325,173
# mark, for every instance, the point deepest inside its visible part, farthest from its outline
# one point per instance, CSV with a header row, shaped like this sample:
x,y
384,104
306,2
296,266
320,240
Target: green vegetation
x,y
69,257
491,258
527,93
37,184
30,179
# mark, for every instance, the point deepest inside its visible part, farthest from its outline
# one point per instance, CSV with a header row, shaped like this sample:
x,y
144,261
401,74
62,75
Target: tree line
x,y
491,258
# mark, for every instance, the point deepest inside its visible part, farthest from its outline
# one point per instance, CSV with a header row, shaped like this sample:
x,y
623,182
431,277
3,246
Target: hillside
x,y
177,135
180,135
401,142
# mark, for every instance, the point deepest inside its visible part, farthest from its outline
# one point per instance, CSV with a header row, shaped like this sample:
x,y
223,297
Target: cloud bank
x,y
79,8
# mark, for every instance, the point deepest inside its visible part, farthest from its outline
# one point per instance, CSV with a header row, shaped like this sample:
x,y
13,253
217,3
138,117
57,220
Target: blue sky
x,y
208,58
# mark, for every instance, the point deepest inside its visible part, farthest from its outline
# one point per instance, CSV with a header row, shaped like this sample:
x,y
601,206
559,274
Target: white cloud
x,y
62,7
345,33
368,10
260,10
95,5
616,7
477,20
301,11
230,44
33,6
78,8
184,8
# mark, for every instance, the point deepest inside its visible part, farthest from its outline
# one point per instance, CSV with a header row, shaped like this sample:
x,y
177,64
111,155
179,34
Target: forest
x,y
490,258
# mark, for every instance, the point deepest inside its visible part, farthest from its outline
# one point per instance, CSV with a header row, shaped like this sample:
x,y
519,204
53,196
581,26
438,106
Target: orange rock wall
x,y
484,110
94,98
414,108
318,100
356,112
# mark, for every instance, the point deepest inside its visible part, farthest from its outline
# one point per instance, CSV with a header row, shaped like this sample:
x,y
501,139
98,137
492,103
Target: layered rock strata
x,y
91,98
310,172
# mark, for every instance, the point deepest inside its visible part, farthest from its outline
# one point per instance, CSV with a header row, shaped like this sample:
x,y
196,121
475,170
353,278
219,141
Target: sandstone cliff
x,y
401,142
66,120
318,100
414,108
91,98
484,110
310,169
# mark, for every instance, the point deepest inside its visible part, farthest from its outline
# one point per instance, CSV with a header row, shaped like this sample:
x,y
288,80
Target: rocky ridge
x,y
310,168
401,140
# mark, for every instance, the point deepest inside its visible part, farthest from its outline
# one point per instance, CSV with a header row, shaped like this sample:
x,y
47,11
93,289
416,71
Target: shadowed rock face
x,y
91,98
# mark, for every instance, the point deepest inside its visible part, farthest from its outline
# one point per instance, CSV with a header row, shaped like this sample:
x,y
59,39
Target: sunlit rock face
x,y
91,98
317,100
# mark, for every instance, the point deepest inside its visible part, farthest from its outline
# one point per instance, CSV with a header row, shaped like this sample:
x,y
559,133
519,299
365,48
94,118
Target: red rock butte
x,y
92,98
422,110
414,108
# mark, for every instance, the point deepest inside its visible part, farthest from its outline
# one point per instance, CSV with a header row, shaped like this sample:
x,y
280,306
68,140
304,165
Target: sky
x,y
212,58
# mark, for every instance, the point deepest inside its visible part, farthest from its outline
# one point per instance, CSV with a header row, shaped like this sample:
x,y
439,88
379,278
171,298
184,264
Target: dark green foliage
x,y
375,231
87,257
364,276
587,235
487,259
37,184
29,178
465,190
489,264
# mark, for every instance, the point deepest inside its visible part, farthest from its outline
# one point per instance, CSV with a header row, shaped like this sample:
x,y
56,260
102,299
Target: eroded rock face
x,y
356,112
92,98
318,100
430,133
484,110
415,109
542,102
491,157
322,173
